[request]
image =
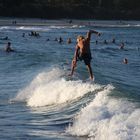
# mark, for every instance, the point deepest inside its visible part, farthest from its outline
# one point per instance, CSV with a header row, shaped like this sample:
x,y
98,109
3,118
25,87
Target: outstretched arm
x,y
90,32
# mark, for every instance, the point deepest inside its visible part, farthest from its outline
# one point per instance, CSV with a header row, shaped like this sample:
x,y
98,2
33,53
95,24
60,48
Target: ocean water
x,y
39,102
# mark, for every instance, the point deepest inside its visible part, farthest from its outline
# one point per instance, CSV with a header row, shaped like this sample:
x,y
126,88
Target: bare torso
x,y
84,46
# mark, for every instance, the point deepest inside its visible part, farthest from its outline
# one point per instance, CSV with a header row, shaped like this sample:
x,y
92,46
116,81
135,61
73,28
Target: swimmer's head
x,y
125,61
9,43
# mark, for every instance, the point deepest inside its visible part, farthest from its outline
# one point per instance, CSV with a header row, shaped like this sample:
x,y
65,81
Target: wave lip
x,y
38,28
107,119
50,87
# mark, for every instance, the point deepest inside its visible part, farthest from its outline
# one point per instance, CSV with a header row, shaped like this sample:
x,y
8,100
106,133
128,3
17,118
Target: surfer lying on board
x,y
82,52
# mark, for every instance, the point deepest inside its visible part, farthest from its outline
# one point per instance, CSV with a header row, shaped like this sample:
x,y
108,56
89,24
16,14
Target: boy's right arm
x,y
90,32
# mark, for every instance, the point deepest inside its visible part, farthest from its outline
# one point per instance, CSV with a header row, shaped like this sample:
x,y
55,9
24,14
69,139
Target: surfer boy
x,y
82,52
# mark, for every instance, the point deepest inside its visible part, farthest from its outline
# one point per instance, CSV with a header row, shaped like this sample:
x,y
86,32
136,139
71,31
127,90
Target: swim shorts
x,y
86,57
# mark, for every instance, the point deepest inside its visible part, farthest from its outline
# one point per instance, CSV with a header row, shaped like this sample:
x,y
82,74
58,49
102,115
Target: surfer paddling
x,y
82,52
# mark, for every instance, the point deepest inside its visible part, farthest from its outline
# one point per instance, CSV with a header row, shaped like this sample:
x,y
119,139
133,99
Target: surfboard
x,y
89,81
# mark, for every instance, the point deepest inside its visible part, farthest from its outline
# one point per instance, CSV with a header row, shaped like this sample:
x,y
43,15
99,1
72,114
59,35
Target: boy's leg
x,y
90,71
73,65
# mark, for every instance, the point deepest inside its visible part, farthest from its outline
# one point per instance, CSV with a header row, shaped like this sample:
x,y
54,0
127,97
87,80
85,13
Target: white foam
x,y
138,25
26,28
49,87
32,28
4,27
78,26
57,27
107,119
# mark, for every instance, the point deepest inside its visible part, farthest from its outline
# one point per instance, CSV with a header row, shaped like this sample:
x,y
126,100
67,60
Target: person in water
x,y
82,52
8,47
60,40
69,41
125,61
122,46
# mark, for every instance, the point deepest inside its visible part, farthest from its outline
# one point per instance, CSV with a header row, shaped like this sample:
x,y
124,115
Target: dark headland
x,y
71,9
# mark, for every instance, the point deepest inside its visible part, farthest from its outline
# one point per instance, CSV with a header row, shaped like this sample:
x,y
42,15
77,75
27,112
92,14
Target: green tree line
x,y
83,9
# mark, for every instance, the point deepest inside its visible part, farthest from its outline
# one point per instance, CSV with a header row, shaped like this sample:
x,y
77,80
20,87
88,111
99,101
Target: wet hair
x,y
80,37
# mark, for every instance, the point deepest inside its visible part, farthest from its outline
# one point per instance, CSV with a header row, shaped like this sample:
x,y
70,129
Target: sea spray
x,y
50,87
107,119
42,78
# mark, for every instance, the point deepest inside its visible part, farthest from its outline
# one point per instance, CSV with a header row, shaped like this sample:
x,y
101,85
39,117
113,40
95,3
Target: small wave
x,y
50,87
138,25
107,118
27,28
36,28
78,26
116,25
57,27
4,27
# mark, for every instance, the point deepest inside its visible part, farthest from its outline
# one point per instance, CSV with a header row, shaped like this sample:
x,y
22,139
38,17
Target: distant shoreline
x,y
63,22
